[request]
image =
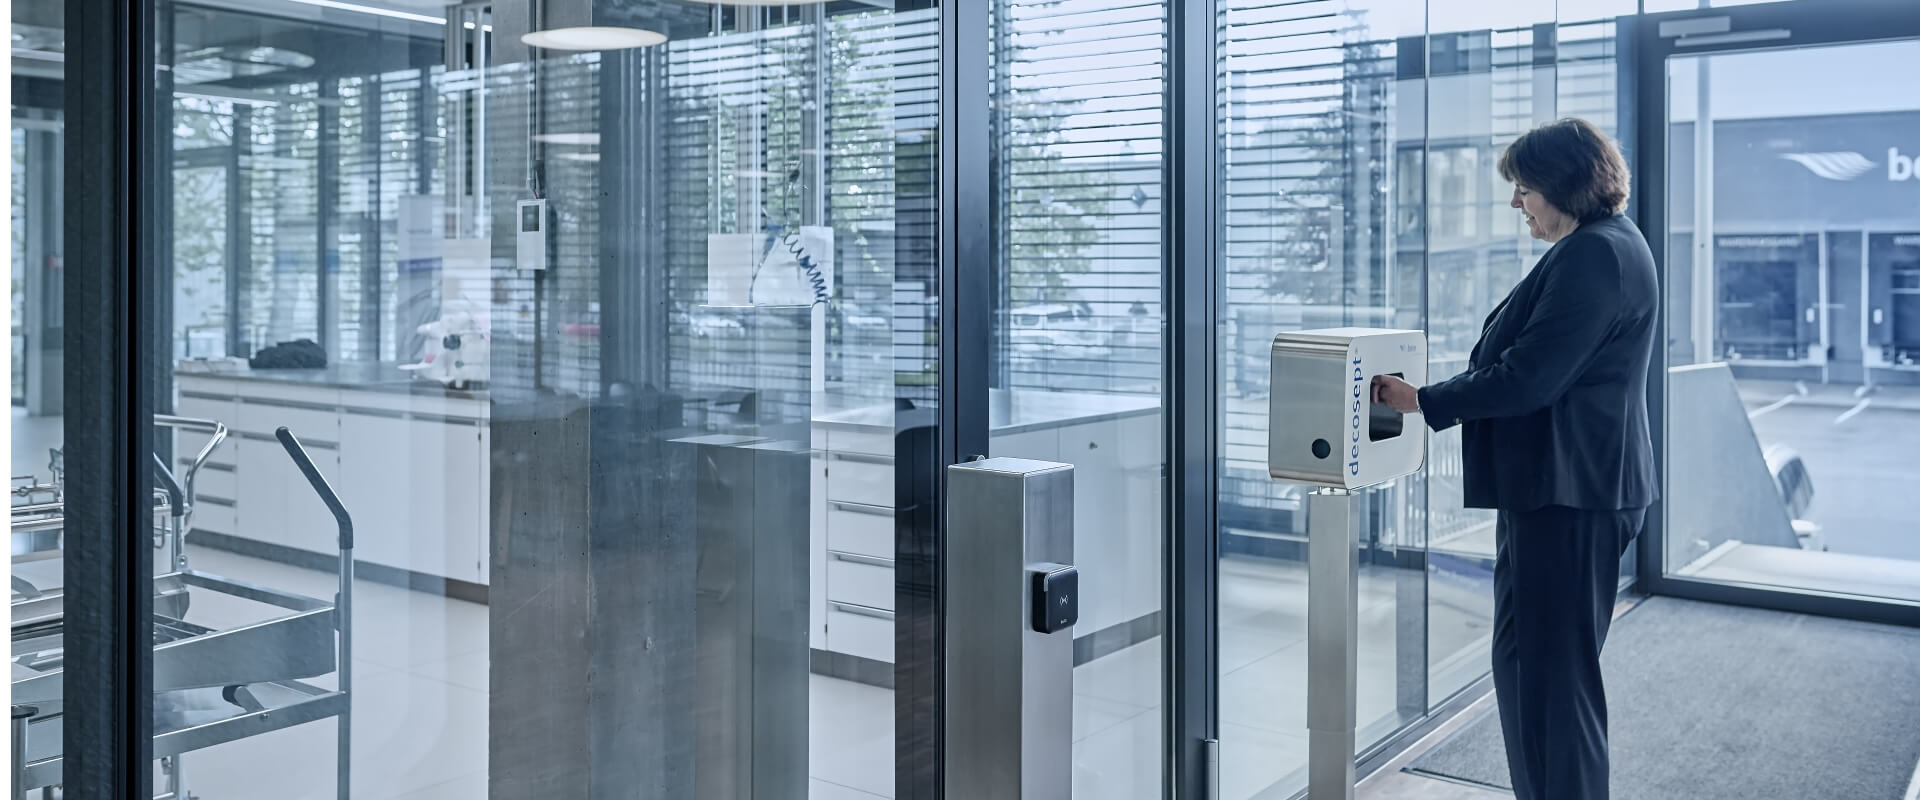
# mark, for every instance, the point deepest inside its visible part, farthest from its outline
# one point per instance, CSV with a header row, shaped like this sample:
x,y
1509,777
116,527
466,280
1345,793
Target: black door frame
x,y
1189,366
110,309
1776,26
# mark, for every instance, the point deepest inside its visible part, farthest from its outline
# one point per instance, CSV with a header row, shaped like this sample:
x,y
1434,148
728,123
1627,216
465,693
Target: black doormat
x,y
1710,701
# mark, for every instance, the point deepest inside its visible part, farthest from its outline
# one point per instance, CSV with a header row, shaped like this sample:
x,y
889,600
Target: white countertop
x,y
1013,411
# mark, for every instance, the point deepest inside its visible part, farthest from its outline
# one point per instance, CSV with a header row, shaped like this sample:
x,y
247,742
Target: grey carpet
x,y
1709,701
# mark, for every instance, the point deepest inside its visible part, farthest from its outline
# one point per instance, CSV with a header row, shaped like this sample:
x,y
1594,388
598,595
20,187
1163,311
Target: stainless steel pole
x,y
1014,598
1333,633
21,714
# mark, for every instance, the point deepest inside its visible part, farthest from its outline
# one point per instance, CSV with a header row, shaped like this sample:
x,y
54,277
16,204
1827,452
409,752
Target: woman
x,y
1554,435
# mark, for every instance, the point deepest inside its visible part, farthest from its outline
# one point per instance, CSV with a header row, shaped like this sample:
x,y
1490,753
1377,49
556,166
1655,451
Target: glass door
x,y
1790,236
524,407
1076,360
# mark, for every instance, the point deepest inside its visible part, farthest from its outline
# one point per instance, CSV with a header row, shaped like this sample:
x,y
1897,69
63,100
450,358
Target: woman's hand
x,y
1396,393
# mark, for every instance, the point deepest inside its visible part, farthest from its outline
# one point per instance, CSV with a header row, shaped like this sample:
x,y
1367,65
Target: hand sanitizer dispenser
x,y
1324,428
1326,431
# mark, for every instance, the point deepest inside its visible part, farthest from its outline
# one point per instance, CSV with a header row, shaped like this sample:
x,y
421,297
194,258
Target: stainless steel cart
x,y
210,686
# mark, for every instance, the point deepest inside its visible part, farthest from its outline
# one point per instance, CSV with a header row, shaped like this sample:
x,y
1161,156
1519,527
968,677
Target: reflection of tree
x,y
1053,194
1344,152
199,224
860,98
1053,204
1298,248
20,201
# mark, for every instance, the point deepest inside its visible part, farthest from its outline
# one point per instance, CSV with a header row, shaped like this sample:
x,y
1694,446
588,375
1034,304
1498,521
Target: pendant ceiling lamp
x,y
593,37
759,2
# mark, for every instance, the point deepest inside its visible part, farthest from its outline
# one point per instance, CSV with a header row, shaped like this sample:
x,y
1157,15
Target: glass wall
x,y
1794,268
1078,102
1358,187
36,416
618,356
621,355
277,204
1310,115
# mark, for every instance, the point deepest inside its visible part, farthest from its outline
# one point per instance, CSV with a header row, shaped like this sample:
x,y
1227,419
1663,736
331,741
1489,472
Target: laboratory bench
x,y
411,460
409,457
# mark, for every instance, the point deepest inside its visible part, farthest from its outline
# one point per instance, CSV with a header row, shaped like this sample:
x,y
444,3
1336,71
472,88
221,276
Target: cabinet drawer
x,y
861,530
857,631
210,480
212,517
220,411
312,425
860,580
870,442
860,479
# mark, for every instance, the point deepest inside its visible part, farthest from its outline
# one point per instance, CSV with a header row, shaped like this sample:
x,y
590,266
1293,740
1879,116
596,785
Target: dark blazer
x,y
1554,401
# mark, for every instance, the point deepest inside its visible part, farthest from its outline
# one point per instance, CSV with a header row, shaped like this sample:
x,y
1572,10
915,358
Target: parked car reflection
x,y
1796,493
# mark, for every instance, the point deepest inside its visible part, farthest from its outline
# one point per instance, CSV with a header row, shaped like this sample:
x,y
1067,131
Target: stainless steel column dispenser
x,y
1012,599
1326,431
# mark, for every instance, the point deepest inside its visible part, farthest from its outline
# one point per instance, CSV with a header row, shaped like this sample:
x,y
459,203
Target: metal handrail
x,y
343,600
217,434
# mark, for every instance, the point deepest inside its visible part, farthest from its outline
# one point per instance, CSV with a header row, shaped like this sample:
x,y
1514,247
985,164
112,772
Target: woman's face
x,y
1543,220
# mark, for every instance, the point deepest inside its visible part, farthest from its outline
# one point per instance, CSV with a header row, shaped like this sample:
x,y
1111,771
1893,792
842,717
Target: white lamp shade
x,y
593,38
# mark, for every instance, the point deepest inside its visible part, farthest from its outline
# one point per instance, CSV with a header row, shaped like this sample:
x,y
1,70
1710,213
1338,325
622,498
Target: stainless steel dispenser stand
x,y
1333,634
1324,430
1013,598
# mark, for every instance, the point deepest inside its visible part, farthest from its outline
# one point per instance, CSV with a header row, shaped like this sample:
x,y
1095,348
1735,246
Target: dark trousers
x,y
1554,583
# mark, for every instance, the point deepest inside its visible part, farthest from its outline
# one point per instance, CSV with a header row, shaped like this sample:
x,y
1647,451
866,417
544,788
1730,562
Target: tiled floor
x,y
421,699
421,690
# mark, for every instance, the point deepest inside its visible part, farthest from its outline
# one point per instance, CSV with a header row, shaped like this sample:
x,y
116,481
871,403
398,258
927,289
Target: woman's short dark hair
x,y
1573,165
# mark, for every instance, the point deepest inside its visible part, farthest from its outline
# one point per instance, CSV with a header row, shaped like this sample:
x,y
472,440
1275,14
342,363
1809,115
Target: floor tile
x,y
1122,762
410,734
1092,715
1130,676
824,790
393,627
471,670
472,787
1254,760
851,741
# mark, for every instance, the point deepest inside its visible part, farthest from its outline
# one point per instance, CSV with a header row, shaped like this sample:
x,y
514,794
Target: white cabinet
x,y
261,475
860,529
367,445
1117,539
1141,467
1041,444
463,460
411,469
1114,445
1100,525
853,539
310,525
860,580
860,478
861,631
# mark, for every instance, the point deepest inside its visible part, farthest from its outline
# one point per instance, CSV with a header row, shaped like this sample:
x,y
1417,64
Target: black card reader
x,y
1056,597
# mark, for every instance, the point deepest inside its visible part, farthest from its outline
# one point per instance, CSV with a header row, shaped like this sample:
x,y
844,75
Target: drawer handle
x,y
860,611
862,458
866,560
862,508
